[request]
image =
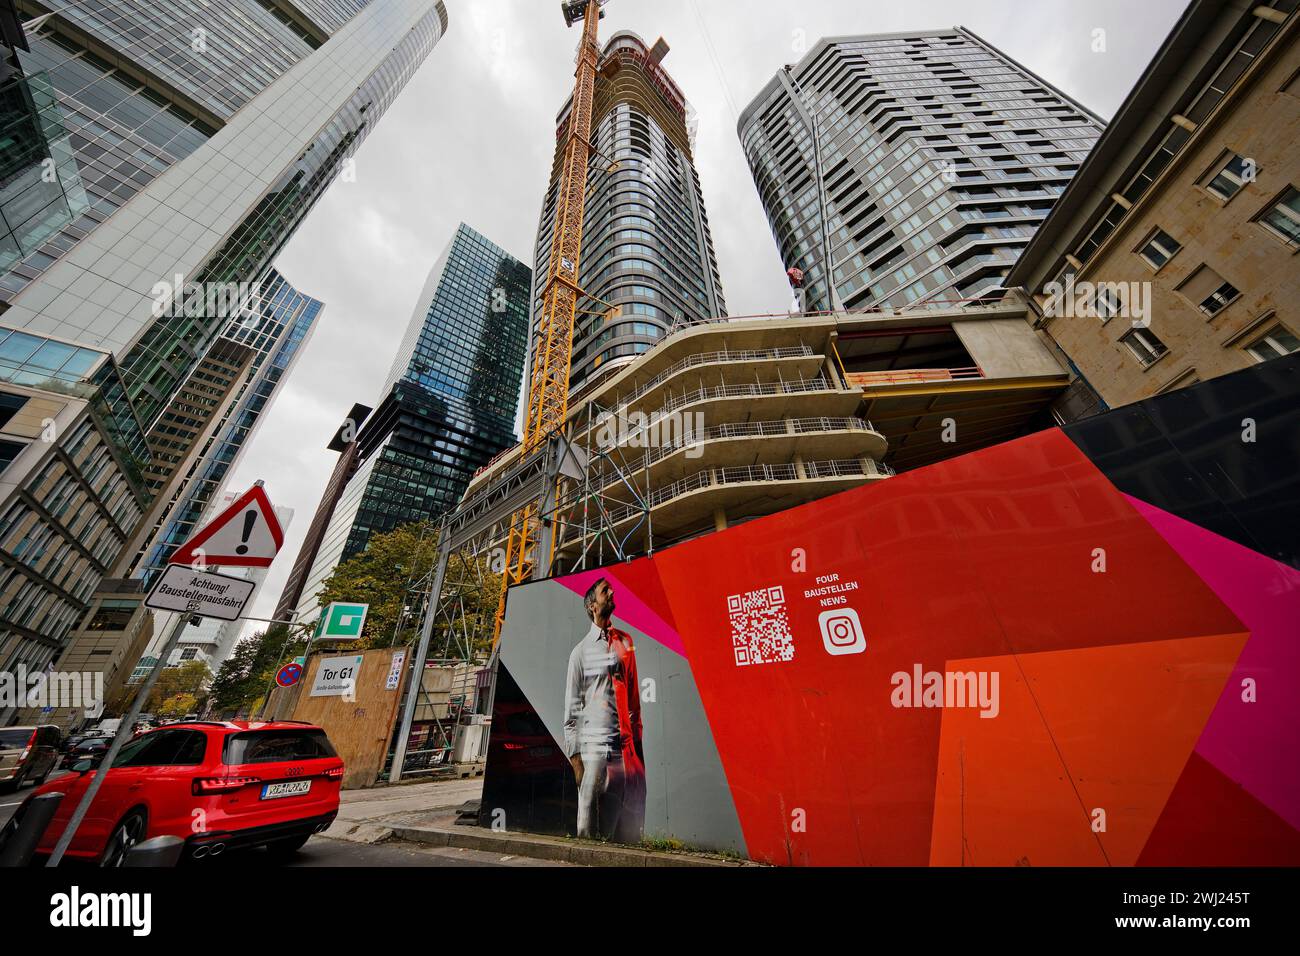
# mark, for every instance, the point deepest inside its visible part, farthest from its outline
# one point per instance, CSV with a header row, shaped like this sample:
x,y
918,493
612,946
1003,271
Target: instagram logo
x,y
841,631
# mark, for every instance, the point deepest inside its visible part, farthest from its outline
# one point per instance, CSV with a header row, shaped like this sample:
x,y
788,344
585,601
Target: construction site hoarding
x,y
1008,658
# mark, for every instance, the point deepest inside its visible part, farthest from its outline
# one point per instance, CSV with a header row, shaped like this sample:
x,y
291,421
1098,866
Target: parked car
x,y
27,753
72,740
90,749
257,784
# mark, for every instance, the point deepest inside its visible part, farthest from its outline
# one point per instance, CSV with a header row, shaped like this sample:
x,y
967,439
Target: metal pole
x,y
421,653
120,737
288,636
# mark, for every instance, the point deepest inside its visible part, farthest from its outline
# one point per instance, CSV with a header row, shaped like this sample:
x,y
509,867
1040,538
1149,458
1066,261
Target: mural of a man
x,y
602,726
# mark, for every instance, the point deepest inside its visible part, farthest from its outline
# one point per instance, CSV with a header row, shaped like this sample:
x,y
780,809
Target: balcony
x,y
693,500
733,444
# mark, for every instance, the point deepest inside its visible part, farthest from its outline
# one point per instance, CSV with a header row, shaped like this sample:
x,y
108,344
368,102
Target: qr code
x,y
760,630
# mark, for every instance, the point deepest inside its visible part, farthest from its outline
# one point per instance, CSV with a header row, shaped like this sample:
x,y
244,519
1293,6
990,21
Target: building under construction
x,y
647,252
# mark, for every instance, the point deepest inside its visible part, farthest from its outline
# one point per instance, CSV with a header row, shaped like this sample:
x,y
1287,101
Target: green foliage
x,y
245,676
394,572
187,680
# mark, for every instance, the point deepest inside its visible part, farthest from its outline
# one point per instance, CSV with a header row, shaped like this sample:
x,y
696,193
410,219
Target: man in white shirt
x,y
602,726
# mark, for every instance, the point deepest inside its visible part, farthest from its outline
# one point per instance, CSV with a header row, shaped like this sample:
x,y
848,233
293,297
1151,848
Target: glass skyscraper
x,y
448,404
272,330
189,140
646,245
934,155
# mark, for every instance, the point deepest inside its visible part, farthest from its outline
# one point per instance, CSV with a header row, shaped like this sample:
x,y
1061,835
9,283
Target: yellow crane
x,y
548,388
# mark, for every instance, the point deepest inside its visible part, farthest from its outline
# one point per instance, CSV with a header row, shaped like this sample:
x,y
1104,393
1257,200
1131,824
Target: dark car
x,y
27,753
91,748
72,740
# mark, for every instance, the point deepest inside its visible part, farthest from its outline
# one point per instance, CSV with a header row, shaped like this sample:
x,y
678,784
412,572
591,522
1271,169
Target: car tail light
x,y
510,746
205,786
334,773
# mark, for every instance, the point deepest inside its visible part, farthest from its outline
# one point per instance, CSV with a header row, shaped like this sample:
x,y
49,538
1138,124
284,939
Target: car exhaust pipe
x,y
322,827
200,852
217,849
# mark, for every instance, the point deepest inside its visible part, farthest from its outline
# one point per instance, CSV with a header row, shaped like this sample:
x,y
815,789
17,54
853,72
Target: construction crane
x,y
548,388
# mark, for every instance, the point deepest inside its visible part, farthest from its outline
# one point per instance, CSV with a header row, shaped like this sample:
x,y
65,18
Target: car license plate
x,y
539,751
294,788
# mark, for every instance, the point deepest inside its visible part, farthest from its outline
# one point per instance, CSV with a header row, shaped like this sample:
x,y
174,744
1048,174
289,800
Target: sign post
x,y
195,592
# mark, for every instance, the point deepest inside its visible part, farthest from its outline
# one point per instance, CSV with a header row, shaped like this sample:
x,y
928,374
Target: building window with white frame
x,y
1159,248
1144,345
1282,218
1209,291
1108,303
1274,342
1227,178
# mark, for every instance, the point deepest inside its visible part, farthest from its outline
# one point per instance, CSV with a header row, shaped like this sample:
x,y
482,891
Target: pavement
x,y
424,814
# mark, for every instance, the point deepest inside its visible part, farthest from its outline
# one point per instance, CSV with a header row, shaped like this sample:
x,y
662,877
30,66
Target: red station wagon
x,y
218,785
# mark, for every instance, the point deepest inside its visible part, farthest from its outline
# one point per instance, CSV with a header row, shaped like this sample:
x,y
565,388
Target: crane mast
x,y
548,388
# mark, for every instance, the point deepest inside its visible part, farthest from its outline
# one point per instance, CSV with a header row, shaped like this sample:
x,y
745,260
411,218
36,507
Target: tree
x,y
245,676
189,680
394,573
178,706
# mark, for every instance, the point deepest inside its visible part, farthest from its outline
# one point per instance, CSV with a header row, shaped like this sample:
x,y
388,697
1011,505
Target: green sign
x,y
341,622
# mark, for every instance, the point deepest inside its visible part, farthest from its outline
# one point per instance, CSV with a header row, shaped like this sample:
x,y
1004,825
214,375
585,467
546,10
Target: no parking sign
x,y
289,674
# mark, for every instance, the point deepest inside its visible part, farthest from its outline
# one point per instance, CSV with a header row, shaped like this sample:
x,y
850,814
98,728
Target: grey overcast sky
x,y
471,138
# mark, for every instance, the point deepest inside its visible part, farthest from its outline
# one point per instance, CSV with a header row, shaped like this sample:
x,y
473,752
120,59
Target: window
x,y
1230,175
1208,291
1283,217
9,406
276,746
1146,348
1108,303
164,748
9,450
1274,342
1159,249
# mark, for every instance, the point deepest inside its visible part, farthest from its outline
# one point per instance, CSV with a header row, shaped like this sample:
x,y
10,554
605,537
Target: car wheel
x,y
283,849
128,832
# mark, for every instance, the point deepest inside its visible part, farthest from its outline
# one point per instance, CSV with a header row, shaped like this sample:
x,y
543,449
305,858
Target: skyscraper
x,y
215,413
201,134
646,245
448,405
934,155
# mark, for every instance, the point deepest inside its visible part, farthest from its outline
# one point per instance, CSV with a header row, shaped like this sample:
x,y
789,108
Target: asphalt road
x,y
9,801
323,851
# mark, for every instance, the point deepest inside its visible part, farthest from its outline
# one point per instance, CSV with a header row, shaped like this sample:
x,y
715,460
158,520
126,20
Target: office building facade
x,y
448,404
1171,258
215,414
647,250
934,155
201,135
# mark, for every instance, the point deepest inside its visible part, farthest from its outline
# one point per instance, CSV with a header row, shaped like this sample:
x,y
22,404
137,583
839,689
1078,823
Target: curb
x,y
545,848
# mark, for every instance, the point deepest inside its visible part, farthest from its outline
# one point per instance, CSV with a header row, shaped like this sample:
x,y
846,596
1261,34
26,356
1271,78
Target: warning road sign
x,y
247,534
200,592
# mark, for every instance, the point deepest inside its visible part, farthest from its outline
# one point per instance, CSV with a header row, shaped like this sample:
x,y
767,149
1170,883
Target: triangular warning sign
x,y
246,534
